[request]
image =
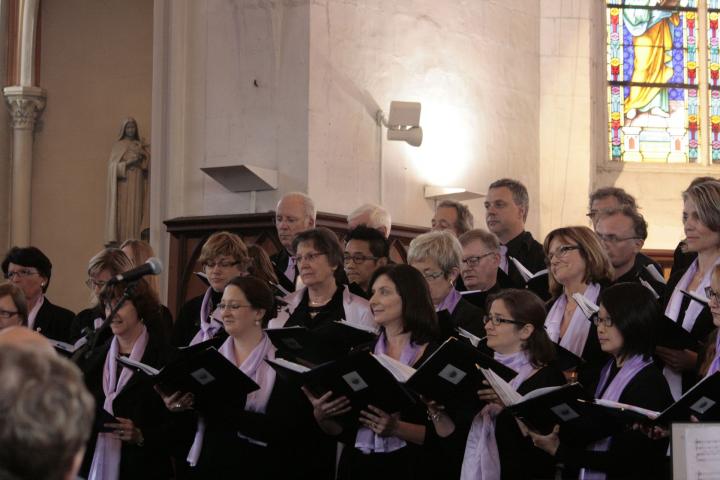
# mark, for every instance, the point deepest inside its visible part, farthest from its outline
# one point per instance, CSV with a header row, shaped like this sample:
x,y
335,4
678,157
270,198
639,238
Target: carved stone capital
x,y
25,105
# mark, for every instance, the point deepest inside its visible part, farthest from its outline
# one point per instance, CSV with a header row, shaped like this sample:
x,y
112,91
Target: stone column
x,y
25,105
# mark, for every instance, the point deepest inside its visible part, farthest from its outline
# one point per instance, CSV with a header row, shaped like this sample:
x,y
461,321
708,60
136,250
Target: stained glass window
x,y
713,38
654,95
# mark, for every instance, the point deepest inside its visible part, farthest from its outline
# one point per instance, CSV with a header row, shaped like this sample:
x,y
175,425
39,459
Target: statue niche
x,y
127,212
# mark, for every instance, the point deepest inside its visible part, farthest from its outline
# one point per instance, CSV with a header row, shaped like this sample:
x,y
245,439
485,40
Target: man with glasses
x,y
611,199
623,233
295,213
365,250
480,267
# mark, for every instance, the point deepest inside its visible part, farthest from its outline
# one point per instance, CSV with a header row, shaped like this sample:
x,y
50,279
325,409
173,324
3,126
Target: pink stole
x,y
106,460
366,440
577,332
631,367
693,310
482,459
260,372
209,323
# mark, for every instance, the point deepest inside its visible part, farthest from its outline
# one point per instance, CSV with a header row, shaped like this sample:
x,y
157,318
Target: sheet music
x,y
702,452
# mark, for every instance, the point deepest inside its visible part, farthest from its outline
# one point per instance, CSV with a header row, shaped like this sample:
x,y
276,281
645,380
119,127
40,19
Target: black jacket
x,y
53,321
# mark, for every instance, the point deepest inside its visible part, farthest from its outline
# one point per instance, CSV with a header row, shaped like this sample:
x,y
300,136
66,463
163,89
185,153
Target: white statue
x,y
127,196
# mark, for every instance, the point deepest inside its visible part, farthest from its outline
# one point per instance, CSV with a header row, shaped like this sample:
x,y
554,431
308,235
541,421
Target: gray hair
x,y
438,245
46,413
379,216
488,239
308,203
519,193
465,220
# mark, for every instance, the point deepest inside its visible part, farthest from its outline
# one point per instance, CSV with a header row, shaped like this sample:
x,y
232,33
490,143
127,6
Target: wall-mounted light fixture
x,y
403,123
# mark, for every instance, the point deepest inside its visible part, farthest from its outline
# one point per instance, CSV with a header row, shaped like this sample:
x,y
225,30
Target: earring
x,y
257,323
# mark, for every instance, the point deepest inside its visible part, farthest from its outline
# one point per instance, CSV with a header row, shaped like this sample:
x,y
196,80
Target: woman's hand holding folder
x,y
178,401
325,410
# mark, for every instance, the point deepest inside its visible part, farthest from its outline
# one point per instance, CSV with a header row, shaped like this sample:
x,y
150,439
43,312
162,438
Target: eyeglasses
x,y
309,257
475,260
614,238
604,321
90,283
26,272
712,294
7,314
223,265
357,259
432,275
232,306
560,252
497,320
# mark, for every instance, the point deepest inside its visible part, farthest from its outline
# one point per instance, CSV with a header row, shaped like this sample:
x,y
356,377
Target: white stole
x,y
577,332
32,314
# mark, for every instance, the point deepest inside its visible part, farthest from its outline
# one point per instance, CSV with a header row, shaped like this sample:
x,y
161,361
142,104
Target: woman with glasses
x,y
437,255
701,222
389,445
136,445
495,447
13,307
577,264
30,269
625,326
265,439
223,257
105,265
318,256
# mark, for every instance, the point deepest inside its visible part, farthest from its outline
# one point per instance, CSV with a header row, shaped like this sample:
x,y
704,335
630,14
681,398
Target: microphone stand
x,y
92,336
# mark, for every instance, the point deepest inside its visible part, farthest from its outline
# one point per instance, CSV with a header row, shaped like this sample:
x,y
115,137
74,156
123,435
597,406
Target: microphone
x,y
153,266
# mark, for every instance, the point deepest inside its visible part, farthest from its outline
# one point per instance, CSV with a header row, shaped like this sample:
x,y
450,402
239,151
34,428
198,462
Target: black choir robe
x,y
53,321
187,323
530,253
280,264
638,272
139,402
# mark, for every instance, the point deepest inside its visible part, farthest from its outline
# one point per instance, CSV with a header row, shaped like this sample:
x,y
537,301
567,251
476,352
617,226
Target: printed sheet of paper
x,y
696,451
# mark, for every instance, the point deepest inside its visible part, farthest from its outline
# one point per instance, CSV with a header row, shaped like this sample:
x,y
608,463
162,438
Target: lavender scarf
x,y
366,440
209,323
106,460
631,367
482,459
449,302
259,371
577,333
688,321
504,263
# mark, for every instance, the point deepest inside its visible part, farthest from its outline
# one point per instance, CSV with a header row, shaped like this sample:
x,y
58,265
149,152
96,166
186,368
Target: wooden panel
x,y
188,234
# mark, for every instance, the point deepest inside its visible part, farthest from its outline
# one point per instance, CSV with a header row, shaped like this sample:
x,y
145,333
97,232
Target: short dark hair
x,y
29,257
46,413
258,294
144,300
465,220
633,310
640,226
18,298
377,243
623,198
519,193
325,241
525,306
418,312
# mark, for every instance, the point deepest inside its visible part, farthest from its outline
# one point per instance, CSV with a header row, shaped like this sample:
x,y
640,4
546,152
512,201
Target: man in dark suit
x,y
506,210
295,213
480,267
623,233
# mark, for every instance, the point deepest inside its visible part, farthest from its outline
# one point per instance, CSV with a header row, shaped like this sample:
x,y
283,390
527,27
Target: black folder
x,y
451,375
323,344
102,417
671,334
213,379
565,359
701,401
359,377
